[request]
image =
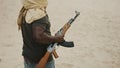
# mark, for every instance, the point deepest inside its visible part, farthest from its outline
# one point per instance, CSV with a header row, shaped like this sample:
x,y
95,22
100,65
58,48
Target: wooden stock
x,y
44,60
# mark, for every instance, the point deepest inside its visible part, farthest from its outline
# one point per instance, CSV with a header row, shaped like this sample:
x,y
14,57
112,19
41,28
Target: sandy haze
x,y
96,33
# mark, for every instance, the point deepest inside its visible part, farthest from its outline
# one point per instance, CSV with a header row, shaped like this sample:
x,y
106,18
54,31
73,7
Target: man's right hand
x,y
59,38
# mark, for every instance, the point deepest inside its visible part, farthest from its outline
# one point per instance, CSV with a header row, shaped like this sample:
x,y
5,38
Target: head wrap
x,y
31,4
34,3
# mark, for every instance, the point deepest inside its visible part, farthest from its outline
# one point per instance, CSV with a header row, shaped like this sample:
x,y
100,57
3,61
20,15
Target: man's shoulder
x,y
34,14
41,22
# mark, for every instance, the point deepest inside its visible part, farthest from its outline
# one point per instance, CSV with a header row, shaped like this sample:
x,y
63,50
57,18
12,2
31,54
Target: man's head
x,y
34,3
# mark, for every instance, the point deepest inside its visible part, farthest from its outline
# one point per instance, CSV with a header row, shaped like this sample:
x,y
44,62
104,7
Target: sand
x,y
95,33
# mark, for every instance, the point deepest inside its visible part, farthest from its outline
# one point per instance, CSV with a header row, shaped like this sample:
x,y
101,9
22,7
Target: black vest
x,y
33,51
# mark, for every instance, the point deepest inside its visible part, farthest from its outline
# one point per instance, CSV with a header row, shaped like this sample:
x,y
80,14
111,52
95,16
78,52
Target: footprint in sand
x,y
107,18
66,65
7,45
0,60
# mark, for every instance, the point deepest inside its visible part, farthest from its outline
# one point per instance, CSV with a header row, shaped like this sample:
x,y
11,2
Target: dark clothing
x,y
34,50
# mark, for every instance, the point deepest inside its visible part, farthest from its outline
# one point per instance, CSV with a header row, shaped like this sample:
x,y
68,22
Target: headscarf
x,y
36,9
34,3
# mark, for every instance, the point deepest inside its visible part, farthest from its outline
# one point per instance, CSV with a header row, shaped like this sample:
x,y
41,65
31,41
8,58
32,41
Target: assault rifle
x,y
51,48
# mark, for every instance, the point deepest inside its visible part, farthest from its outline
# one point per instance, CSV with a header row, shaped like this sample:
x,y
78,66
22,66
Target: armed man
x,y
34,23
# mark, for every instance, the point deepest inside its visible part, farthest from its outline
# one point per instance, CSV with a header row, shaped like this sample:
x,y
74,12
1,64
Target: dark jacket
x,y
36,39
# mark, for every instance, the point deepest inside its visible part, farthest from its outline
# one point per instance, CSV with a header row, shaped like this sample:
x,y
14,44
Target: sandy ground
x,y
95,33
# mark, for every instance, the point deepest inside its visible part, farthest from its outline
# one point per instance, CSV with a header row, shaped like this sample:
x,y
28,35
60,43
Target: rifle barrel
x,y
72,19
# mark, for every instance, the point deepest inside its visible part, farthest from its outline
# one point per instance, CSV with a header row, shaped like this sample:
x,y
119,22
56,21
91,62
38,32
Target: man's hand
x,y
59,38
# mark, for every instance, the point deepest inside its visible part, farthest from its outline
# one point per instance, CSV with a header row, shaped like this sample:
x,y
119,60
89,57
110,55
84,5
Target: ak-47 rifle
x,y
51,48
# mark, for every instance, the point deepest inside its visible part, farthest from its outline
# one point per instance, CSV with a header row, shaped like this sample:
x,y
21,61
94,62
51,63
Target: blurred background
x,y
95,33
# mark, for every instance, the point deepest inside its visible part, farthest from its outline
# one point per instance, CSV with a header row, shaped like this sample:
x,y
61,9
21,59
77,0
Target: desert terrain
x,y
95,33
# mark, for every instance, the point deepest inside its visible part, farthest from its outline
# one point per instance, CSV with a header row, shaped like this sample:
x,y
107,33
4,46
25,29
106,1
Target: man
x,y
35,26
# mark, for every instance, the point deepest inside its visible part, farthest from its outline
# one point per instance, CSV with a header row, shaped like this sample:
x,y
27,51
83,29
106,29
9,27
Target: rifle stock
x,y
43,61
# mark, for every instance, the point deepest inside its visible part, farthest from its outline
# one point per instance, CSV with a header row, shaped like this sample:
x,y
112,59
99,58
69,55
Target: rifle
x,y
51,48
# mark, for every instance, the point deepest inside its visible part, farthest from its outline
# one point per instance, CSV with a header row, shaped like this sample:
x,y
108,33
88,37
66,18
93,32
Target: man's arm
x,y
40,35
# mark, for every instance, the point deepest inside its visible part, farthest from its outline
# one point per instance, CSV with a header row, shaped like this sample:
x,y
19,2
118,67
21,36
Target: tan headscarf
x,y
34,3
32,10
